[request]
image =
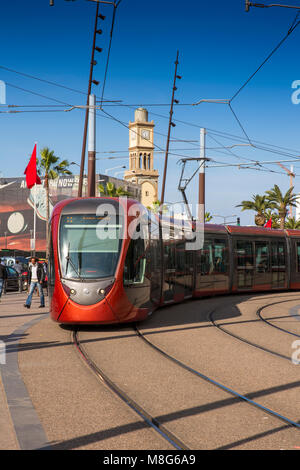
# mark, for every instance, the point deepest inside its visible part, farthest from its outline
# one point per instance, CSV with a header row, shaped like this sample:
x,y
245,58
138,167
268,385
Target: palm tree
x,y
260,204
208,217
111,191
281,202
50,167
292,223
156,207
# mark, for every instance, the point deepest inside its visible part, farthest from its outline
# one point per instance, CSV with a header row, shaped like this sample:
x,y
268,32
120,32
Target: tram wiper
x,y
69,260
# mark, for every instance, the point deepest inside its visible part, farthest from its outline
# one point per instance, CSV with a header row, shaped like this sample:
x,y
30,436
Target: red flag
x,y
32,177
268,224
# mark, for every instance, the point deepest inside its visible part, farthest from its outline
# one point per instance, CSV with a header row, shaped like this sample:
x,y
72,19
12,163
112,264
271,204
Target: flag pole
x,y
34,215
34,219
32,179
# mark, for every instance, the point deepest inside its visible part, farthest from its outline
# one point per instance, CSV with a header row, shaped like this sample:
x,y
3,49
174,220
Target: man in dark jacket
x,y
35,279
3,277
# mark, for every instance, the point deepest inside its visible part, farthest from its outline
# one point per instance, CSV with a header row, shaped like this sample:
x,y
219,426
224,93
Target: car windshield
x,y
89,245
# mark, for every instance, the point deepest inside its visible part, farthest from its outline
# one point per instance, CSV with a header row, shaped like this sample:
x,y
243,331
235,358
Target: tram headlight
x,y
104,291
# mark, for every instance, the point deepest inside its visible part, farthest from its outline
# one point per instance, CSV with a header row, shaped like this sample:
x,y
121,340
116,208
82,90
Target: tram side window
x,y
170,256
298,256
281,254
244,252
180,259
135,263
220,256
262,256
206,258
278,254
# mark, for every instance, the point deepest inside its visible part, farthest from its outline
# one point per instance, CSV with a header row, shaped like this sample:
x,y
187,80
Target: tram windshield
x,y
89,245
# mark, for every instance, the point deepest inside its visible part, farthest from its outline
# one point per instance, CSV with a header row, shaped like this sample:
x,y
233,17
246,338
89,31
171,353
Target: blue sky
x,y
220,46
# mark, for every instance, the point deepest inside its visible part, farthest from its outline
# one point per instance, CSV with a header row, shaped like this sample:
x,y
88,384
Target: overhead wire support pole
x,y
80,184
171,124
184,182
92,147
201,206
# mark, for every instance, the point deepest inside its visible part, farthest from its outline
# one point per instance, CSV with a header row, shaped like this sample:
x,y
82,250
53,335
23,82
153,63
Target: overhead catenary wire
x,y
292,28
218,132
212,131
109,51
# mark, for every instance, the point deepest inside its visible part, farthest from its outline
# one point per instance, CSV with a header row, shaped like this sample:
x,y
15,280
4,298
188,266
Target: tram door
x,y
156,271
244,264
262,265
169,271
278,264
205,268
156,260
179,288
189,273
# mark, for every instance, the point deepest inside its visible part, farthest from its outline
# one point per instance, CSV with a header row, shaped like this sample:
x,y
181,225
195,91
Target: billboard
x,y
17,208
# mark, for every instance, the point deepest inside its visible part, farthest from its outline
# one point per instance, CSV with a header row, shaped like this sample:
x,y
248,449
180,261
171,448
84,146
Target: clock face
x,y
146,134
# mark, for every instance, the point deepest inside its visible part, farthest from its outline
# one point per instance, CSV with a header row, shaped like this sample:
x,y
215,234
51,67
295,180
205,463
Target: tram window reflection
x,y
89,246
262,256
298,256
135,263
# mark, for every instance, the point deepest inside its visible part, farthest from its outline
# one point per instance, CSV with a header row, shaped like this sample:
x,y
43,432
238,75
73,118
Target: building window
x,y
147,193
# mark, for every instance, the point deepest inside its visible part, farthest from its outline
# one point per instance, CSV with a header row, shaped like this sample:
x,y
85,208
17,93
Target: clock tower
x,y
141,150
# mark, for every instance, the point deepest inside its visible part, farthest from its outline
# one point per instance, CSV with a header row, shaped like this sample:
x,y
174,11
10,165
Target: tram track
x,y
154,423
259,314
238,396
140,411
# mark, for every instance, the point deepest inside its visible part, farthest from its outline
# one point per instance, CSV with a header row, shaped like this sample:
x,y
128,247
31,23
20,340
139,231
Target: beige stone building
x,y
141,148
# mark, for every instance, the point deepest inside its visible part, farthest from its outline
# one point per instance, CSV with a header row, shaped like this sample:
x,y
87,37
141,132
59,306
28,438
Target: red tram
x,y
110,262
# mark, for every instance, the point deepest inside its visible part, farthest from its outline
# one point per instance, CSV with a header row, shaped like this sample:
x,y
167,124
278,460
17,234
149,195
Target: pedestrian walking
x,y
17,266
35,280
3,277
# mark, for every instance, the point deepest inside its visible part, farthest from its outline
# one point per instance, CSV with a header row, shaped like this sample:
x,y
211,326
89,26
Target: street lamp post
x,y
249,4
114,168
224,217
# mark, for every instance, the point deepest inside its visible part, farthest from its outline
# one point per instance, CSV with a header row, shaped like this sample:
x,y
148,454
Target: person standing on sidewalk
x,y
35,279
3,277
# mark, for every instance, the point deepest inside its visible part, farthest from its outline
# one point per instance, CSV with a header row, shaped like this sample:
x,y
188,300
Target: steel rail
x,y
218,384
258,313
244,340
149,420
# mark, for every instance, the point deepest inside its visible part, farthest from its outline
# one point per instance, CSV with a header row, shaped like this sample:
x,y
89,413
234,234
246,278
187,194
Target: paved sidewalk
x,y
13,315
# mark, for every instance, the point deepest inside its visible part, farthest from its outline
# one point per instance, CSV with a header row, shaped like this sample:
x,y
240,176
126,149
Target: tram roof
x,y
259,231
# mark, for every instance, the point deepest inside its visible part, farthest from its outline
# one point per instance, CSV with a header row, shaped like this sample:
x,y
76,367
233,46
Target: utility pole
x,y
93,62
171,124
92,147
201,201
